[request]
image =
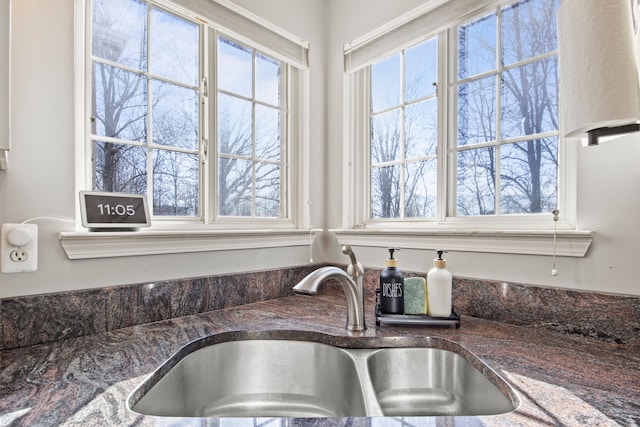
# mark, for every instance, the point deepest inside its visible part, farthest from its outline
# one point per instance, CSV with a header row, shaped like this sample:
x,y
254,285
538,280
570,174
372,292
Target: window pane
x,y
528,176
530,99
249,132
234,126
267,190
476,182
120,103
477,111
385,137
385,83
477,47
385,192
174,47
120,168
528,30
267,80
234,187
119,32
421,129
267,133
421,70
421,186
404,133
175,115
528,106
175,183
235,70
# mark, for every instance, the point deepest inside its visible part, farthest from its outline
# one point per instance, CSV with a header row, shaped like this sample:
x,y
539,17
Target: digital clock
x,y
113,210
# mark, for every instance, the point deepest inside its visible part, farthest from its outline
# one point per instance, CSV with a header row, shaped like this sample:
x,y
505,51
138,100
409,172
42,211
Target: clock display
x,y
119,210
113,210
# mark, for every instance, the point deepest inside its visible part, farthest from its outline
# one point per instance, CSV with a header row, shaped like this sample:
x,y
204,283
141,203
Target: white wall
x,y
41,179
608,190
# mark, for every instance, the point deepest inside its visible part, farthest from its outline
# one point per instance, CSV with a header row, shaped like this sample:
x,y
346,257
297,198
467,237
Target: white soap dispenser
x,y
439,281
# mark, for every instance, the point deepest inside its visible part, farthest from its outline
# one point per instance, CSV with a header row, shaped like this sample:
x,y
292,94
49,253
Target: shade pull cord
x,y
556,212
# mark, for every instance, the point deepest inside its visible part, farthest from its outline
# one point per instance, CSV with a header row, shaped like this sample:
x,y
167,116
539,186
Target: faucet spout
x,y
352,287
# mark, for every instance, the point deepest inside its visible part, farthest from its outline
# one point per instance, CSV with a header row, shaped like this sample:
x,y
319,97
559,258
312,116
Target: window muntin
x,y
499,152
150,123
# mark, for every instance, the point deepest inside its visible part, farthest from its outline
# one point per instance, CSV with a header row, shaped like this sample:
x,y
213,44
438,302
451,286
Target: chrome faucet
x,y
352,286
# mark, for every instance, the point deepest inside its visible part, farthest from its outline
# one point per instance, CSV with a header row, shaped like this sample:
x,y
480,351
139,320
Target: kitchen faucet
x,y
352,286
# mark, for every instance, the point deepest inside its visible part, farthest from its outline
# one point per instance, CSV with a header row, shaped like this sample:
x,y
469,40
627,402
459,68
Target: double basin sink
x,y
260,377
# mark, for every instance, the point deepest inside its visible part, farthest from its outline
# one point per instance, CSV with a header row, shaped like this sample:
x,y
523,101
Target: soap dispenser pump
x,y
392,287
439,284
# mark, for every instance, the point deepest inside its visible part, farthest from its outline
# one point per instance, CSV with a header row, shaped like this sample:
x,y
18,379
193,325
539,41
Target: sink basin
x,y
298,378
258,378
431,381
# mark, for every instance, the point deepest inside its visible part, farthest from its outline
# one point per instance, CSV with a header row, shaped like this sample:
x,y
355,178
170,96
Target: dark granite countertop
x,y
561,379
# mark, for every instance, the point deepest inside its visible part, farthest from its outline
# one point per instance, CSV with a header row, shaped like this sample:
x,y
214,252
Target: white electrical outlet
x,y
18,248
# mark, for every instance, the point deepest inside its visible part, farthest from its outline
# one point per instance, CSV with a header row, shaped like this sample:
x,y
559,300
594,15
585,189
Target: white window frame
x,y
208,232
515,234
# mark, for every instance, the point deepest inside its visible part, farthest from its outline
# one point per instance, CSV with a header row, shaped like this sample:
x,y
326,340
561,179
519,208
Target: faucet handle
x,y
355,269
346,249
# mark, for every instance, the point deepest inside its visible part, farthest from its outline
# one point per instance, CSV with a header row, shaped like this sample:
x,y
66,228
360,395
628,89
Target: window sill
x,y
569,243
89,245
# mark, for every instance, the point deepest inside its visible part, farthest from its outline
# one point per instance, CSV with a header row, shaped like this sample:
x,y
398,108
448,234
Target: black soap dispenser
x,y
392,287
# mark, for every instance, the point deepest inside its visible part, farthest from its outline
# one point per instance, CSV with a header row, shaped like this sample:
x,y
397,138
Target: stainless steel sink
x,y
297,378
258,378
430,381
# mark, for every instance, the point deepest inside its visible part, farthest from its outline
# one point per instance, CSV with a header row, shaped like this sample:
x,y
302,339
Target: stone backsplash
x,y
607,317
44,318
37,319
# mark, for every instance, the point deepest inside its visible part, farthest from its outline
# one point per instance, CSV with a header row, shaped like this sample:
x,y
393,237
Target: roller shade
x,y
245,25
433,17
